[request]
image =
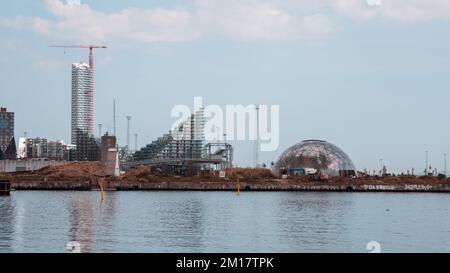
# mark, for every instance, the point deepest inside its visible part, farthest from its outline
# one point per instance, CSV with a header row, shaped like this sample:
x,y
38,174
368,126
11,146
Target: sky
x,y
370,76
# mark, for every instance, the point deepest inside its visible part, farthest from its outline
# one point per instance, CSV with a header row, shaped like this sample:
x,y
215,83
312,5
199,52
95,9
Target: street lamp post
x,y
257,138
128,133
445,164
100,130
216,128
381,167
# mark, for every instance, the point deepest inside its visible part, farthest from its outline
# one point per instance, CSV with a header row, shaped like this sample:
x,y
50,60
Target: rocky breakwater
x,y
86,176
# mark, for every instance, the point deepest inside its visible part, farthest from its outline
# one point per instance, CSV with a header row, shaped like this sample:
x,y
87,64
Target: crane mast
x,y
91,70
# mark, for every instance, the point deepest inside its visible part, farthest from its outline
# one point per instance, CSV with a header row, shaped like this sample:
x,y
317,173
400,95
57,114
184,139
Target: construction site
x,y
91,176
181,154
182,151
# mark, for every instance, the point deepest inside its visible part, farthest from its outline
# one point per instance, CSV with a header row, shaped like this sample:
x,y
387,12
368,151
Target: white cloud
x,y
231,19
261,20
406,11
250,22
82,23
303,20
318,25
36,24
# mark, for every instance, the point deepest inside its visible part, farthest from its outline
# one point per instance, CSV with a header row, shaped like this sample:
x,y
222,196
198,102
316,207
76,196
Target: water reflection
x,y
19,225
81,216
314,219
106,222
7,216
221,222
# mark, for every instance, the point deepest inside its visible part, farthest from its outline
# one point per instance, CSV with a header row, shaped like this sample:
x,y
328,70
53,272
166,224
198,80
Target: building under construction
x,y
182,151
87,147
7,141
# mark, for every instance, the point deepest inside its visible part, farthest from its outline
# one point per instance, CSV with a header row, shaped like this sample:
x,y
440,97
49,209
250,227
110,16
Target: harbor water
x,y
44,221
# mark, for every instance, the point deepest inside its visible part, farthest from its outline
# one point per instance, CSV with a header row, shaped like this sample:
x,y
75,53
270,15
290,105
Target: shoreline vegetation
x,y
87,176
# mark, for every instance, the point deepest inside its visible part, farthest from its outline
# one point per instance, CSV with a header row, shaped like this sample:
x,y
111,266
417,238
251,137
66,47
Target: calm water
x,y
222,222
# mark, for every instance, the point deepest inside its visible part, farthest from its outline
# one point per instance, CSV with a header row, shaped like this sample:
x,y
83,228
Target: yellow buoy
x,y
238,192
100,183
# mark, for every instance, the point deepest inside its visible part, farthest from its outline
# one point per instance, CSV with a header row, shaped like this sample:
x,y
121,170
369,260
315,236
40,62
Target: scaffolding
x,y
185,141
7,141
221,154
87,147
182,151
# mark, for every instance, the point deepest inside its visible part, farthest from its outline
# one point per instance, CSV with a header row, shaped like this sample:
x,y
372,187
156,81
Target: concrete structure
x,y
221,153
10,166
5,187
347,185
83,113
107,142
7,141
109,155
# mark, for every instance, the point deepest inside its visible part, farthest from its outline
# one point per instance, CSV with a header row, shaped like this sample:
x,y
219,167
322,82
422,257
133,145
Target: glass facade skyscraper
x,y
81,100
7,140
82,113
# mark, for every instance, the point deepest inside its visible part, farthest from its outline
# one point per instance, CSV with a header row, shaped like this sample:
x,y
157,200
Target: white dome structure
x,y
325,157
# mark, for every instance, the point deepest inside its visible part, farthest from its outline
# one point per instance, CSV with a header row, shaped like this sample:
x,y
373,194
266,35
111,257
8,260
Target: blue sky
x,y
373,80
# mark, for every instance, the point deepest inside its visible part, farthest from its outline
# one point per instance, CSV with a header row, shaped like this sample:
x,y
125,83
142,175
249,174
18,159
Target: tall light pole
x,y
217,133
100,130
135,142
128,132
114,116
426,159
381,167
445,164
257,137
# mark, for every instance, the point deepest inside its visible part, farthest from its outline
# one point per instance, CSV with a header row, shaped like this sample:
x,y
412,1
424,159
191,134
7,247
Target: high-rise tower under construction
x,y
82,112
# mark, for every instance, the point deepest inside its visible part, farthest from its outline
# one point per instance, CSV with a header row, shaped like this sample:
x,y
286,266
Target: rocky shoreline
x,y
89,177
273,185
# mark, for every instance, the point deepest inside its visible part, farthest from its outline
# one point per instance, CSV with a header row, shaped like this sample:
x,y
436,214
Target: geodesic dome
x,y
325,157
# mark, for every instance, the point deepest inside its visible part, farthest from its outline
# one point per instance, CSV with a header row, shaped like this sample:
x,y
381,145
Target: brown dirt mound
x,y
145,174
249,174
77,171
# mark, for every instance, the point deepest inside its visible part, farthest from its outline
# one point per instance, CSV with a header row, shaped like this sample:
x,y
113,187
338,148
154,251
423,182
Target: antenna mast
x,y
114,117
